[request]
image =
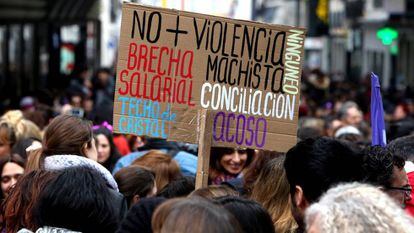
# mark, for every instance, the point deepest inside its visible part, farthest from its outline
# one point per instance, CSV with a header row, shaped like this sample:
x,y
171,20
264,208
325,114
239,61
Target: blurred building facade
x,y
44,43
358,47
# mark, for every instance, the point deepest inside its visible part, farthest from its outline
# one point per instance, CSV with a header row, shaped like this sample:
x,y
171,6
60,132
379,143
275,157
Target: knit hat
x,y
347,130
138,219
59,162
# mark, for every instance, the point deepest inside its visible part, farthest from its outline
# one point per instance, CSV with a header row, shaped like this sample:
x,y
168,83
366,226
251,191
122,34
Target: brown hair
x,y
214,191
134,180
163,165
7,134
272,190
64,135
252,172
19,204
193,215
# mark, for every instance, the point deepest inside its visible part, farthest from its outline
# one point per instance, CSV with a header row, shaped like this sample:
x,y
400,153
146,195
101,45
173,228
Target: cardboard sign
x,y
172,63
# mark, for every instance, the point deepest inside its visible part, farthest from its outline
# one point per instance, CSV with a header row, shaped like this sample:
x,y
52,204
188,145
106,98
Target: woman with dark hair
x,y
250,214
18,205
20,147
77,200
193,215
139,216
136,182
228,163
107,152
68,142
11,168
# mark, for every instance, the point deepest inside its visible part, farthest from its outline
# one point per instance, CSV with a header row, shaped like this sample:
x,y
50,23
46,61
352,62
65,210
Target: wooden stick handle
x,y
204,147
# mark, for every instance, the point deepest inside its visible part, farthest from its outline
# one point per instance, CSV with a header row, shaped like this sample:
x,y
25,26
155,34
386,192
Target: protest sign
x,y
172,64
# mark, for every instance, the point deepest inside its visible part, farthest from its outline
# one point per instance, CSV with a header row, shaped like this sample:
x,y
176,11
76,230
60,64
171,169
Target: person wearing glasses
x,y
404,147
386,170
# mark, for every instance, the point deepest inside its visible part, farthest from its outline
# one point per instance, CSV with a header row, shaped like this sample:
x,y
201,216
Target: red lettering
x,y
167,89
157,87
145,96
175,60
131,91
180,92
190,93
143,52
132,58
121,75
152,57
162,50
190,55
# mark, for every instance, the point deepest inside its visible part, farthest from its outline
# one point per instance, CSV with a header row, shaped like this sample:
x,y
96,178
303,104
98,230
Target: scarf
x,y
59,162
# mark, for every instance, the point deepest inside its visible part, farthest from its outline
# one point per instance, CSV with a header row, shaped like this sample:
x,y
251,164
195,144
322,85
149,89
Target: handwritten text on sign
x,y
172,63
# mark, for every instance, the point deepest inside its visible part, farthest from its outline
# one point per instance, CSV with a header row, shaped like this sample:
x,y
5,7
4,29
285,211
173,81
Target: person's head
x,y
403,147
136,182
386,170
256,167
229,160
356,208
309,132
19,204
166,169
313,166
21,145
349,133
78,199
193,215
23,128
11,168
214,191
331,125
350,114
139,216
178,188
7,138
272,190
102,77
251,216
69,135
107,152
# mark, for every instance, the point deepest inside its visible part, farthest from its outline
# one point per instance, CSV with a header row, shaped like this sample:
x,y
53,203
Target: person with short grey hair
x,y
357,208
350,114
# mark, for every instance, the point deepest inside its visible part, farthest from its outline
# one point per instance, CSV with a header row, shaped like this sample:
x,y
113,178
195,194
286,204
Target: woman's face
x,y
104,149
11,172
90,151
235,162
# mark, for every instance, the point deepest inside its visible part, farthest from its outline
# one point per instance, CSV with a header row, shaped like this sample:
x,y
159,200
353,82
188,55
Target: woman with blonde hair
x,y
164,166
7,138
23,128
272,190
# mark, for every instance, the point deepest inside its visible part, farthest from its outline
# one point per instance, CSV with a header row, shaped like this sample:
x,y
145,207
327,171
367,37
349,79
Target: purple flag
x,y
377,113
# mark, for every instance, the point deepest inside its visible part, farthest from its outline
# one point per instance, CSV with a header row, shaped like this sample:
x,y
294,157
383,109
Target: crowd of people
x,y
64,170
